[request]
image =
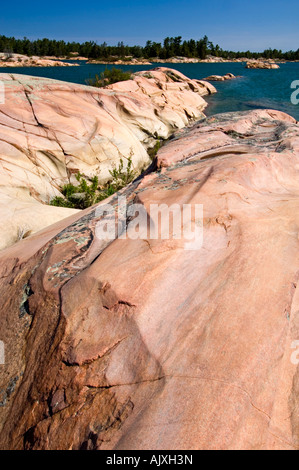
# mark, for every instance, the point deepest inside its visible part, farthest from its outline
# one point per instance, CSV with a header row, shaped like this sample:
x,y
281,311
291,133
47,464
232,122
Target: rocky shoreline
x,y
264,63
187,60
19,60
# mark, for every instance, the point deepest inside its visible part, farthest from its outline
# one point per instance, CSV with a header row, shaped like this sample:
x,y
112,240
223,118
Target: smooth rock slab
x,y
50,130
141,344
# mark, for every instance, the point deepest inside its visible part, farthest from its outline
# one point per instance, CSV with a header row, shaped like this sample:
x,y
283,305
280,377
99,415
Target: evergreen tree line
x,y
171,46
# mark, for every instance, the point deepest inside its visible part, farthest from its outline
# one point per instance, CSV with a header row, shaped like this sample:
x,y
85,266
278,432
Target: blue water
x,y
253,89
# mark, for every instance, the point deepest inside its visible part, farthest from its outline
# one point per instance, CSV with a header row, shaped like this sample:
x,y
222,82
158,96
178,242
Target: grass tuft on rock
x,y
87,193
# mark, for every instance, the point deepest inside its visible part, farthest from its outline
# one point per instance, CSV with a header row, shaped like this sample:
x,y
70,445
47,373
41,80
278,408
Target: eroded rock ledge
x,y
50,130
140,344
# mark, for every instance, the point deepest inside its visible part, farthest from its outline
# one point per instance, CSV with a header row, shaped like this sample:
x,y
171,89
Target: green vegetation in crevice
x,y
152,152
86,194
88,191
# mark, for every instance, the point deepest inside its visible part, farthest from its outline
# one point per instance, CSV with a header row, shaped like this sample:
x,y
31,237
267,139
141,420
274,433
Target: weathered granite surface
x,y
141,344
50,130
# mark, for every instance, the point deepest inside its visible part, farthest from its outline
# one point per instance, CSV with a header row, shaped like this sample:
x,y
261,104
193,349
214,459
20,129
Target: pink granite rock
x,y
142,344
220,78
261,64
50,130
20,60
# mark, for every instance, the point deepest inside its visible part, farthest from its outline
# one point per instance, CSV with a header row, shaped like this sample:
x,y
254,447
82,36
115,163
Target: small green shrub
x,y
154,150
78,197
87,194
122,176
108,77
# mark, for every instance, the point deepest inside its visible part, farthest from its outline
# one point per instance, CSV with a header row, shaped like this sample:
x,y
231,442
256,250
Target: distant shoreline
x,y
183,60
18,60
21,60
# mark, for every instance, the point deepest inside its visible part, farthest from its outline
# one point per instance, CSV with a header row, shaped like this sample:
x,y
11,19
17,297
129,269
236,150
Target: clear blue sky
x,y
233,24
